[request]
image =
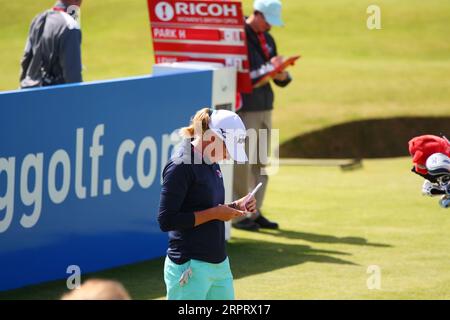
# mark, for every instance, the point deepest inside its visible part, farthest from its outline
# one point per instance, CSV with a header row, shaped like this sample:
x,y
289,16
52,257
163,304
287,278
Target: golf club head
x,y
438,164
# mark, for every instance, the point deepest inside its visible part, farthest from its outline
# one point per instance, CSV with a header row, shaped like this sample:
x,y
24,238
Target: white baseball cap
x,y
229,127
271,10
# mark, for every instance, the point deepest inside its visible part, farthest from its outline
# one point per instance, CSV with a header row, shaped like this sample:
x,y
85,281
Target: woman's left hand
x,y
249,206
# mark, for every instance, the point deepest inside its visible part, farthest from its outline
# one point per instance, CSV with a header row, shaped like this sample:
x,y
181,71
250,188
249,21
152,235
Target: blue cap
x,y
271,10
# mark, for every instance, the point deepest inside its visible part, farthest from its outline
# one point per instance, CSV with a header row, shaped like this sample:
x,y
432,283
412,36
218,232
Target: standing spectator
x,y
256,110
97,289
53,48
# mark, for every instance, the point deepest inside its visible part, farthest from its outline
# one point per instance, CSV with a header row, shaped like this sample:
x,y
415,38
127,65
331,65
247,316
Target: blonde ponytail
x,y
199,122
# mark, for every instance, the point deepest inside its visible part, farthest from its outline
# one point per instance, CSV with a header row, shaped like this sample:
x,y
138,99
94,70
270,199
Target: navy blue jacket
x,y
261,99
189,187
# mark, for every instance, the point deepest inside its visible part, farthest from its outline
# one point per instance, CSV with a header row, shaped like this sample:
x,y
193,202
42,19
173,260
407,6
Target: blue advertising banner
x,y
80,172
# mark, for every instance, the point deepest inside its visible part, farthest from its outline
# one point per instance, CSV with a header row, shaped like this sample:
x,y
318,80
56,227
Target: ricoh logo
x,y
165,11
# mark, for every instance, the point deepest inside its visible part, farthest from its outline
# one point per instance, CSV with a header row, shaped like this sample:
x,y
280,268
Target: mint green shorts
x,y
206,281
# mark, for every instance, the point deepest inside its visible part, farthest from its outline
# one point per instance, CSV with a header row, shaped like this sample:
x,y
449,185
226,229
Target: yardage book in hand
x,y
268,76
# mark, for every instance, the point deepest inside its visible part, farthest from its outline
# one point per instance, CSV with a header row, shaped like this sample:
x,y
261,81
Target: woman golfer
x,y
192,207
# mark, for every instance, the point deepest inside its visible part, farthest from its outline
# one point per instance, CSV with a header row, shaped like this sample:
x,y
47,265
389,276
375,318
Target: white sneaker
x,y
432,189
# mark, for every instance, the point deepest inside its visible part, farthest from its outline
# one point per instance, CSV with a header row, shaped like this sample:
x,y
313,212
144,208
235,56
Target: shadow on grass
x,y
323,238
250,257
145,280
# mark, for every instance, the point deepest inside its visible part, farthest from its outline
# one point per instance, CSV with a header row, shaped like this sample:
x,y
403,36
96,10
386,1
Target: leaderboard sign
x,y
201,30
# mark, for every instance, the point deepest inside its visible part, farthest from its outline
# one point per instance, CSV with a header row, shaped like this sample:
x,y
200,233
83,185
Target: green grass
x,y
334,225
347,72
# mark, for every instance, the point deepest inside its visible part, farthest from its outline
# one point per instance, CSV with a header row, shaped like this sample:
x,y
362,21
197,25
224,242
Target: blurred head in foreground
x,y
96,289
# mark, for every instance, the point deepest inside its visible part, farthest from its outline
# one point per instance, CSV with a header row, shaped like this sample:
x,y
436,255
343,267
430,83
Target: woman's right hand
x,y
225,213
221,212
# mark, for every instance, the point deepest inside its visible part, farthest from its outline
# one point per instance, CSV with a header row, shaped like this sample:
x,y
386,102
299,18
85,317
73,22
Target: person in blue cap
x,y
193,211
256,110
